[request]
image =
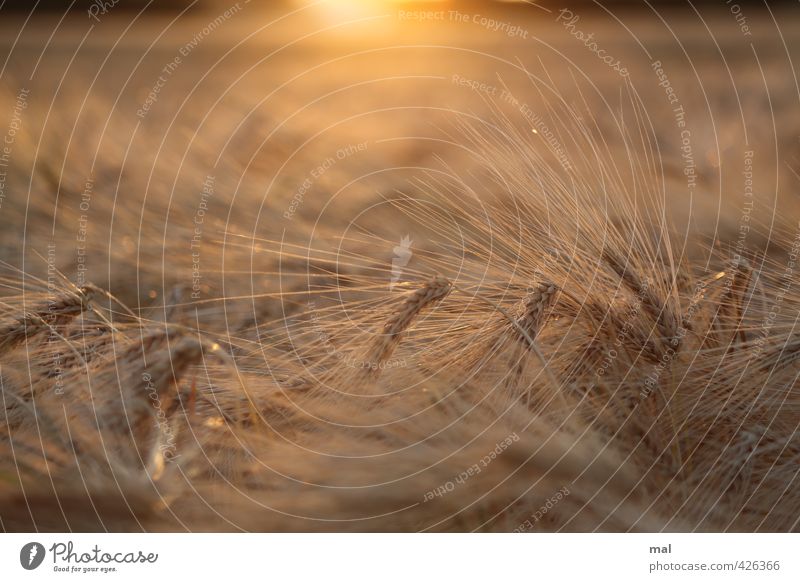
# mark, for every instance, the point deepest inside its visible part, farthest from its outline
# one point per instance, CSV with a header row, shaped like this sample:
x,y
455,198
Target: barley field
x,y
388,266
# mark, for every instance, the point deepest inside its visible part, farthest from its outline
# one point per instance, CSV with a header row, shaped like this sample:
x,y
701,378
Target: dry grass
x,y
636,381
305,382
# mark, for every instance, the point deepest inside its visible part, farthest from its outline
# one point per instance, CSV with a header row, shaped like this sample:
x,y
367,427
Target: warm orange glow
x,y
353,9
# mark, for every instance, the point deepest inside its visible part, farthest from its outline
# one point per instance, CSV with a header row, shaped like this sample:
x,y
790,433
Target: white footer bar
x,y
402,557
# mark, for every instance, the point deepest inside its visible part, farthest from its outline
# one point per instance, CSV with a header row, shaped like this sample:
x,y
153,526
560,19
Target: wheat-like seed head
x,y
48,314
522,325
663,311
151,368
433,291
535,308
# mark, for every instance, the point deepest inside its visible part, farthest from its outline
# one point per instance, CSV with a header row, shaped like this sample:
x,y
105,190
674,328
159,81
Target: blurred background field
x,y
136,108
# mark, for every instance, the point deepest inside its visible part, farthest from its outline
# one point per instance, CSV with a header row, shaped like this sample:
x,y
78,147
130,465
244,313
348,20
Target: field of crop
x,y
353,266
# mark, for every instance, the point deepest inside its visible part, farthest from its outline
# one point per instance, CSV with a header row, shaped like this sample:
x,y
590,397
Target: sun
x,y
361,8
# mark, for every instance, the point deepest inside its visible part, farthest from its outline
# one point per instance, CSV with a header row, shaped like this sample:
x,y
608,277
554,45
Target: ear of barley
x,y
58,311
535,308
150,371
529,318
432,292
662,311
